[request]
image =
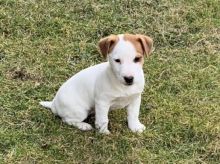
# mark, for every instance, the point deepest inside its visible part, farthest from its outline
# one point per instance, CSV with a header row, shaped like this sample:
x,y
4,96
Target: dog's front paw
x,y
137,128
103,128
105,131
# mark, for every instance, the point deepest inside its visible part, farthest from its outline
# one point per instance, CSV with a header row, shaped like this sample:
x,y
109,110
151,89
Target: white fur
x,y
102,87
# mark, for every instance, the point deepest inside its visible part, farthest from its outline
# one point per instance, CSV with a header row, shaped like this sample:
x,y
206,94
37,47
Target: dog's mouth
x,y
128,84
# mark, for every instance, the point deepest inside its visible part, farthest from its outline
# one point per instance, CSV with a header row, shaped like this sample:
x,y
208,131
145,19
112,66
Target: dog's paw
x,y
103,128
137,128
81,125
85,126
106,131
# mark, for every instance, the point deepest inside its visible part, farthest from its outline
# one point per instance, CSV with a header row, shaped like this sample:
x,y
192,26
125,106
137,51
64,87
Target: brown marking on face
x,y
107,44
143,44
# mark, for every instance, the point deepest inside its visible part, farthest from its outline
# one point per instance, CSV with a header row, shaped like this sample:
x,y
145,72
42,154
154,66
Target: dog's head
x,y
126,54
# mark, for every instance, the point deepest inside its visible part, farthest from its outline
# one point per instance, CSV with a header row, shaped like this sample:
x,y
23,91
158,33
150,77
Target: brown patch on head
x,y
107,44
142,43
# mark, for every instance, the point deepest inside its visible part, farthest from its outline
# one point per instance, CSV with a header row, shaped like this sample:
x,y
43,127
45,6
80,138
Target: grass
x,y
43,43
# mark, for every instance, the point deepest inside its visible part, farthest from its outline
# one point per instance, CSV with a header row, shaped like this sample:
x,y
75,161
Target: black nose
x,y
129,79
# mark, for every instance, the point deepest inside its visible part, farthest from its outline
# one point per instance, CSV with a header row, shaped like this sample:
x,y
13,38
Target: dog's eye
x,y
117,60
137,59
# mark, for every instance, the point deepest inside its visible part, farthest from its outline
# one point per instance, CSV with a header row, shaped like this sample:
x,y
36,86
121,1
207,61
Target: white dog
x,y
115,84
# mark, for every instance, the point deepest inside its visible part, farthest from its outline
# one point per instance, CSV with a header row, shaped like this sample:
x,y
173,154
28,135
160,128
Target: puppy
x,y
114,84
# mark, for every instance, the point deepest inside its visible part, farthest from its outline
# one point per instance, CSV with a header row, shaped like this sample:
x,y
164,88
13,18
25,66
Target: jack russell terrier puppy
x,y
114,84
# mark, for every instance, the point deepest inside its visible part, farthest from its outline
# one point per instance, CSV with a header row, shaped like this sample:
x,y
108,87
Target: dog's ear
x,y
107,44
146,43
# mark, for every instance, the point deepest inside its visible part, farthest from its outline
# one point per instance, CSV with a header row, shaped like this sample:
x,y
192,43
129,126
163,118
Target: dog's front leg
x,y
133,113
101,117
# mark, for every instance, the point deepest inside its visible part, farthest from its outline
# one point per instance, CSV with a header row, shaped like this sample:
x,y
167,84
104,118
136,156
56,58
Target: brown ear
x,y
146,43
107,44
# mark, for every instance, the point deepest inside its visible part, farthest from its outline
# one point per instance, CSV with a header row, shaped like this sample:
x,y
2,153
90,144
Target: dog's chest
x,y
121,102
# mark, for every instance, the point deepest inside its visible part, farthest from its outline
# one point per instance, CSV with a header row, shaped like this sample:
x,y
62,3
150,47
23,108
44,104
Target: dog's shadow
x,y
90,119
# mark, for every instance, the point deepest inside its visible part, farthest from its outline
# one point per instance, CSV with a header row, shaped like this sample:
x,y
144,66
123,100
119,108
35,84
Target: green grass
x,y
42,43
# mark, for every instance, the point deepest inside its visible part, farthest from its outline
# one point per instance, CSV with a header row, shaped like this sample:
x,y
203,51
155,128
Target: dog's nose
x,y
129,79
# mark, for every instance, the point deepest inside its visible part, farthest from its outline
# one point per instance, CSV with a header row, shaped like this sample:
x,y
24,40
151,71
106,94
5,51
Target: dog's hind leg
x,y
80,125
76,119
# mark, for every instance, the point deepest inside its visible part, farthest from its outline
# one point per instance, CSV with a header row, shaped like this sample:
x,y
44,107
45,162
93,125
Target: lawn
x,y
44,42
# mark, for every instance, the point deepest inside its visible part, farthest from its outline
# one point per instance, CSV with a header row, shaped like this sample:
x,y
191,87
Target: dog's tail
x,y
47,104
